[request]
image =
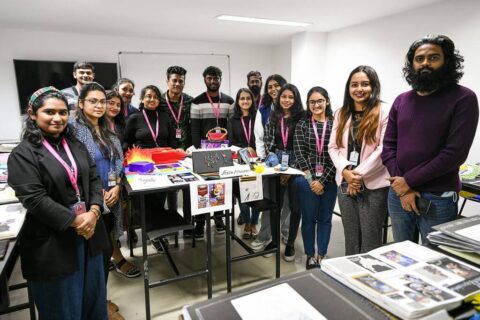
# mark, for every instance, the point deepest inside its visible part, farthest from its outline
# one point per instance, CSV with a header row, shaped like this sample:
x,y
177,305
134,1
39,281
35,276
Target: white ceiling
x,y
194,19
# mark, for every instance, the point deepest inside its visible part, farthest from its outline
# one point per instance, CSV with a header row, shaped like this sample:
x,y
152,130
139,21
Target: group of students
x,y
67,172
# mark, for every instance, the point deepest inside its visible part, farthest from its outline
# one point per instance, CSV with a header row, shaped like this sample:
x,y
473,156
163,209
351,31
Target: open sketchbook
x,y
11,220
409,280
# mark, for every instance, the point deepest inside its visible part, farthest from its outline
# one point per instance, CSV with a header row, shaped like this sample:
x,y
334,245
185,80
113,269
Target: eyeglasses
x,y
95,102
313,103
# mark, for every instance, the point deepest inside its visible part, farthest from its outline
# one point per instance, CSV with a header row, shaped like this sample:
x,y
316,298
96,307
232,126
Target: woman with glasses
x,y
151,127
317,191
355,148
279,134
91,128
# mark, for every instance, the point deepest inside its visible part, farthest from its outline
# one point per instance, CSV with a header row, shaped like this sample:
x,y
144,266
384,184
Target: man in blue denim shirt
x,y
429,134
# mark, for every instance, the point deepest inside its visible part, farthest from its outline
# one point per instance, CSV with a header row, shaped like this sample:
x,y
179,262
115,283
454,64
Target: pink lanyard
x,y
216,112
260,102
72,171
284,135
177,120
125,111
249,135
112,126
319,144
154,134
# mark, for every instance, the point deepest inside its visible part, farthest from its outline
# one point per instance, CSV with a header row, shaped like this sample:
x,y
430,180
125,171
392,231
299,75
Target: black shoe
x,y
199,233
269,246
240,220
312,263
289,254
156,243
219,226
187,233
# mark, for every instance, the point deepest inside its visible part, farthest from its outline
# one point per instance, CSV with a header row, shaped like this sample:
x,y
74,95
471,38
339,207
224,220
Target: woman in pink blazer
x,y
355,148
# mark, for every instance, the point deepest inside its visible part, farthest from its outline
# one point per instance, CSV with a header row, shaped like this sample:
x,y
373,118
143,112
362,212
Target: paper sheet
x,y
472,232
278,302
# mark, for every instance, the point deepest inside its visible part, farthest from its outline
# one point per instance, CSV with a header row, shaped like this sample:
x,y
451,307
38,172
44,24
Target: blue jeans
x,y
316,215
81,295
245,212
404,223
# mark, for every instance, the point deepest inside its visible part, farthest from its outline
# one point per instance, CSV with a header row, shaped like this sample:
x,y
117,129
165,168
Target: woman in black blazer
x,y
63,235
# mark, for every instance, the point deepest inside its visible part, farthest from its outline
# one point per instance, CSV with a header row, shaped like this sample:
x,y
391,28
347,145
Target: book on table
x,y
11,220
406,279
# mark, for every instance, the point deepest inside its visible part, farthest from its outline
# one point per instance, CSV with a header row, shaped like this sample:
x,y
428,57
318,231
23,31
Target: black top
x,y
236,133
138,133
273,136
185,124
306,152
48,244
353,143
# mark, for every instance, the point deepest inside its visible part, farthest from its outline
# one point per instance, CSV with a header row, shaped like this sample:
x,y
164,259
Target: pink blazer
x,y
371,168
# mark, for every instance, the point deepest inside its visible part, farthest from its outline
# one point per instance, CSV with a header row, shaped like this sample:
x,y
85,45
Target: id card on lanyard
x,y
112,176
319,169
178,131
216,111
249,134
354,155
72,173
154,134
285,156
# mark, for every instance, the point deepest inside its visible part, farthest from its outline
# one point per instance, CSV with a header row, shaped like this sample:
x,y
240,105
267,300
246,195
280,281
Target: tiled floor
x,y
167,301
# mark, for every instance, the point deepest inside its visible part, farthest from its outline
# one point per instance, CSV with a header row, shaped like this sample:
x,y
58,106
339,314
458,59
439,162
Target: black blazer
x,y
48,245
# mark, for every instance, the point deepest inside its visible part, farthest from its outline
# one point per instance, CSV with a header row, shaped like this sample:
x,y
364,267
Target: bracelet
x,y
96,212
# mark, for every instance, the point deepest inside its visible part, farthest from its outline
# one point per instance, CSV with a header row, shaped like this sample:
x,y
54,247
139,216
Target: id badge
x,y
318,170
178,133
79,208
285,158
112,179
353,158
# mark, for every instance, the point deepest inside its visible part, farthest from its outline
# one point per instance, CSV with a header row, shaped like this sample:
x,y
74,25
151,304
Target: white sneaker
x,y
258,244
284,239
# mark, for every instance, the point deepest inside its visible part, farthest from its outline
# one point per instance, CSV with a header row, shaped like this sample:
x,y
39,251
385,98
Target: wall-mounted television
x,y
34,74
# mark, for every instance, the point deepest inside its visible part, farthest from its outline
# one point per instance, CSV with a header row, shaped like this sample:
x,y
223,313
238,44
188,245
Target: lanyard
x,y
260,102
317,140
177,119
72,171
354,142
284,134
125,111
154,134
216,111
249,135
112,125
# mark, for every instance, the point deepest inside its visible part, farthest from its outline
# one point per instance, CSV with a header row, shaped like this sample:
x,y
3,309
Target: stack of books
x,y
406,279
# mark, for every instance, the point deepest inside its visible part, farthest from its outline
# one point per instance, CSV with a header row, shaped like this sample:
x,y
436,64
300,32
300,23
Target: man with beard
x,y
84,73
254,83
210,110
429,134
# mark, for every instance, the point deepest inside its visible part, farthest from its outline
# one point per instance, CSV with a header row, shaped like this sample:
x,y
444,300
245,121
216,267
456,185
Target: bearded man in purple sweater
x,y
429,134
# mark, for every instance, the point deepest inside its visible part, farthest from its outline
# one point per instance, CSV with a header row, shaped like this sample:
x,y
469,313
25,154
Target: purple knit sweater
x,y
428,137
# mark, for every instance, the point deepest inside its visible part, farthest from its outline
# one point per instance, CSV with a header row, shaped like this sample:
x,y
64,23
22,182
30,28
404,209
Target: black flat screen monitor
x,y
34,74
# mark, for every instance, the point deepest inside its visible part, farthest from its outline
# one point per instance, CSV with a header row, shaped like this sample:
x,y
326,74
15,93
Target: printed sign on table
x,y
210,196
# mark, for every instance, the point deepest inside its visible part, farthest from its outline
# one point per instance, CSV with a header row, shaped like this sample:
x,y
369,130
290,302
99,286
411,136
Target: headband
x,y
38,93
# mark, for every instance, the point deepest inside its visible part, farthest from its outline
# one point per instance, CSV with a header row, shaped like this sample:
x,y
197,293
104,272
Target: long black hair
x,y
237,111
120,117
103,137
453,68
266,99
296,110
31,131
324,93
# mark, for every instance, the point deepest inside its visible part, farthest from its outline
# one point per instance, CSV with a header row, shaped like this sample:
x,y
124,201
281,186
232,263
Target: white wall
x,y
308,60
383,45
282,55
42,45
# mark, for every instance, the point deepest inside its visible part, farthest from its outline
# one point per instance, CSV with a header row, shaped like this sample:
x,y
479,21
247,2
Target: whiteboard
x,y
146,68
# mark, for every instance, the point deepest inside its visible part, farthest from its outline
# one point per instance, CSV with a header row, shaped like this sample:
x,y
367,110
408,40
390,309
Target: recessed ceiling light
x,y
264,21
